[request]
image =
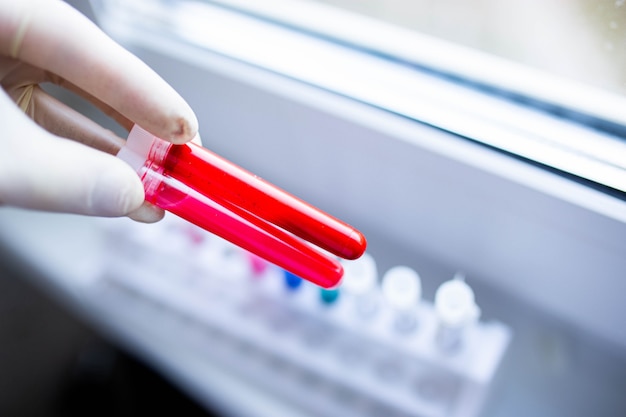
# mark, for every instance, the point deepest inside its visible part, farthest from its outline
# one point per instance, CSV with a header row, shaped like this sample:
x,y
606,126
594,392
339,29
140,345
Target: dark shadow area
x,y
52,364
107,382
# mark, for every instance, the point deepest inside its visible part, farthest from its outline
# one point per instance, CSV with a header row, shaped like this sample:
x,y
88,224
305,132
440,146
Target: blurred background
x,y
584,40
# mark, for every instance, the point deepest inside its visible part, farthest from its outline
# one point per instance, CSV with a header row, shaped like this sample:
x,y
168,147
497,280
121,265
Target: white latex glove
x,y
48,41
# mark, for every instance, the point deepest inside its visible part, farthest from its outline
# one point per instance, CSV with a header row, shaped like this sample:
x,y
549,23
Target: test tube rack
x,y
316,349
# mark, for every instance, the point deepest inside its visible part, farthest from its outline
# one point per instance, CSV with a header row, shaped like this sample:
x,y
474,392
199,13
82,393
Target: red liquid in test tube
x,y
231,186
224,199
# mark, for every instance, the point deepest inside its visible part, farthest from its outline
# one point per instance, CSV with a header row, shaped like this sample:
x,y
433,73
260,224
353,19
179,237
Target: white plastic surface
x,y
322,357
137,148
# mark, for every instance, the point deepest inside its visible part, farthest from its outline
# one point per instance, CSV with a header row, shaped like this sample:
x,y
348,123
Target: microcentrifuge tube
x,y
360,280
292,281
360,275
402,288
258,265
456,311
329,296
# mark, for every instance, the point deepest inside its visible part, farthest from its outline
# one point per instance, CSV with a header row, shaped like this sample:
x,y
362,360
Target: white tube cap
x,y
455,305
402,287
360,276
137,148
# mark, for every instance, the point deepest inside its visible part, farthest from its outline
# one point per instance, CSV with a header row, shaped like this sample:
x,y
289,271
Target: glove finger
x,y
18,76
61,120
71,46
41,171
147,213
101,105
105,108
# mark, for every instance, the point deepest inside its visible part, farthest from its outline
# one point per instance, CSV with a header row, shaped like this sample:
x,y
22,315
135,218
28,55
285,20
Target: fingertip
x,y
179,128
139,93
184,128
147,213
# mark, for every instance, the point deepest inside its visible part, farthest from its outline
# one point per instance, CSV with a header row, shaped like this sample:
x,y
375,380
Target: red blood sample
x,y
259,201
266,240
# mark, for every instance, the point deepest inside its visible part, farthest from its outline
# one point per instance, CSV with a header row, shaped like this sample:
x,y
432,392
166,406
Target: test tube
x,y
208,191
235,188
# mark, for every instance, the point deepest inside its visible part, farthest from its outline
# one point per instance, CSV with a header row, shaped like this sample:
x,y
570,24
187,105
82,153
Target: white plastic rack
x,y
318,350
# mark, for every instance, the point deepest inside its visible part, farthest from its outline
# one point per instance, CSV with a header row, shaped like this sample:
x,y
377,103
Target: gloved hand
x,y
48,41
